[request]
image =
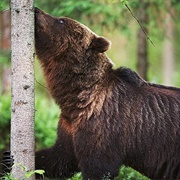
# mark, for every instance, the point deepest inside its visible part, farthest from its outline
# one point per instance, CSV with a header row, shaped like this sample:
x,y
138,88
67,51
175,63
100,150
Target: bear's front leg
x,y
98,159
58,161
98,167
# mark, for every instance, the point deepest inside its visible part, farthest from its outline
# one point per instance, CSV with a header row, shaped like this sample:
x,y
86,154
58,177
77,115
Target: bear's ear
x,y
100,44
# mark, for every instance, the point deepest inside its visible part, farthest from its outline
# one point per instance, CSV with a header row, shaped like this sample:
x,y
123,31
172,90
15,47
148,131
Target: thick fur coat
x,y
108,117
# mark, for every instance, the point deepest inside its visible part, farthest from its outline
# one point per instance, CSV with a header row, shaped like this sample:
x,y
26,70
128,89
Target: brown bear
x,y
108,117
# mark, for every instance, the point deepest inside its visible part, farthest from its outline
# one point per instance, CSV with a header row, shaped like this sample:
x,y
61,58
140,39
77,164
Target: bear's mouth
x,y
40,21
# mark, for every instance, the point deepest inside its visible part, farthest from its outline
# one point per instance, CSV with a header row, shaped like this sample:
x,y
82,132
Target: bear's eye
x,y
61,21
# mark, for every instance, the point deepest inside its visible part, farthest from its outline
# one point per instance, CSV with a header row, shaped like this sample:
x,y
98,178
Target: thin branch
x,y
148,38
41,85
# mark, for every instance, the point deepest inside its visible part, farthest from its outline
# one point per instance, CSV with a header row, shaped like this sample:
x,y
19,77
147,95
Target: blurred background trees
x,y
130,47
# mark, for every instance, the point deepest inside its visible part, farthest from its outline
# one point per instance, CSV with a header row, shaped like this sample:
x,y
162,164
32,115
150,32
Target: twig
x,y
148,38
41,85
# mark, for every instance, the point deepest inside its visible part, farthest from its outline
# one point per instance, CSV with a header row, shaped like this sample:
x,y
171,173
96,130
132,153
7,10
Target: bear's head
x,y
59,38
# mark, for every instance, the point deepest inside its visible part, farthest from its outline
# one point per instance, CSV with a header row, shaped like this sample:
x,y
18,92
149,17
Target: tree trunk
x,y
142,55
22,110
168,56
5,46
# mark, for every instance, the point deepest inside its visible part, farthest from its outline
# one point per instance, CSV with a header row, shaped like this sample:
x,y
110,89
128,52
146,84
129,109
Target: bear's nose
x,y
37,10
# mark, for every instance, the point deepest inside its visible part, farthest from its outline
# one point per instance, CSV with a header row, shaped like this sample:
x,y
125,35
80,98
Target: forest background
x,y
157,61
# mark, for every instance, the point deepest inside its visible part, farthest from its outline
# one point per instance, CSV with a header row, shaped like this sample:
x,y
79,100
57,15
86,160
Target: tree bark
x,y
142,54
22,107
168,56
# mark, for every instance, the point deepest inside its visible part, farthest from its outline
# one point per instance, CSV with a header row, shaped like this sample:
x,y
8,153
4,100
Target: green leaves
x,y
45,122
124,1
28,174
4,4
1,7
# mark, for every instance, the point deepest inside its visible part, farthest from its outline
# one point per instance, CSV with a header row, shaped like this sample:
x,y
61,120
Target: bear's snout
x,y
40,19
37,10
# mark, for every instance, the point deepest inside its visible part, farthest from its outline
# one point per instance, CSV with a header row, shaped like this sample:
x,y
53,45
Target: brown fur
x,y
108,117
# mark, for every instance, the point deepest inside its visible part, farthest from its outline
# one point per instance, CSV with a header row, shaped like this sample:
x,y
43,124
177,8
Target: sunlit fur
x,y
108,117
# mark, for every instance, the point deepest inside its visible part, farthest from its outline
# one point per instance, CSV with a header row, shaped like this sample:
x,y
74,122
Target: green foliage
x,y
112,14
97,14
124,1
176,4
5,110
4,4
27,174
5,57
125,173
46,120
8,176
77,176
5,116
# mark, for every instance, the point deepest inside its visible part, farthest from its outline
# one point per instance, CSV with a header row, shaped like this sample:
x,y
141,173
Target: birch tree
x,y
168,54
22,113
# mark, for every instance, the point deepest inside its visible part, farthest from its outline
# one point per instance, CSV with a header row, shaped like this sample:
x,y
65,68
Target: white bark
x,y
168,56
22,113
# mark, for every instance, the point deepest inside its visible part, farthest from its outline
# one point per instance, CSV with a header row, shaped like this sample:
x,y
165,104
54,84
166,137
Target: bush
x,y
46,120
5,110
127,173
5,117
